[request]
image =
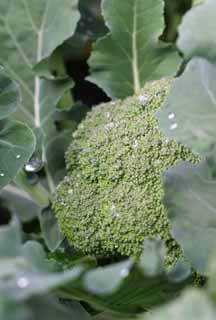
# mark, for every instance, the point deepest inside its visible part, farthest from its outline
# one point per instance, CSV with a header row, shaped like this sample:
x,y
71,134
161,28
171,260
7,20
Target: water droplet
x,y
166,140
23,282
18,156
2,174
34,165
108,115
174,126
115,214
110,125
171,116
124,273
70,191
135,144
143,99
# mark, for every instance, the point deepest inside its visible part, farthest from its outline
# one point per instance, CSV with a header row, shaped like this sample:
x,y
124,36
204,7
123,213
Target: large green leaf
x,y
9,95
17,143
132,53
29,32
197,31
190,198
192,305
189,112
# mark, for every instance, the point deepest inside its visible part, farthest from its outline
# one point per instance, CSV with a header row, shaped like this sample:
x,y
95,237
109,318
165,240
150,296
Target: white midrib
x,y
37,83
37,118
136,77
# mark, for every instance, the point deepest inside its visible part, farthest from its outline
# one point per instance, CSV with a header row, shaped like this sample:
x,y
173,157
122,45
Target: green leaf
x,y
9,95
25,271
189,113
190,199
43,307
105,280
17,143
196,37
26,277
130,287
29,33
132,53
10,240
50,229
19,202
192,305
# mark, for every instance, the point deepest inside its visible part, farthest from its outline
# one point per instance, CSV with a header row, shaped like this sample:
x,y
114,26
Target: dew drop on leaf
x,y
174,126
23,282
18,156
171,116
110,125
34,165
143,99
2,175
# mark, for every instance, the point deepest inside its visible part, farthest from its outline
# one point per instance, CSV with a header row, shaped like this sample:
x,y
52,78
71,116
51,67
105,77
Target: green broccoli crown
x,y
110,201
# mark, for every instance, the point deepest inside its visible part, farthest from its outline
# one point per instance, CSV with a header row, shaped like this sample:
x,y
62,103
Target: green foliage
x,y
183,116
17,141
117,63
26,277
190,119
192,305
131,287
39,22
110,200
204,44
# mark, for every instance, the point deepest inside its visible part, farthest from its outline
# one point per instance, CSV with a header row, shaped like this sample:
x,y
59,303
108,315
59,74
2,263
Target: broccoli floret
x,y
110,201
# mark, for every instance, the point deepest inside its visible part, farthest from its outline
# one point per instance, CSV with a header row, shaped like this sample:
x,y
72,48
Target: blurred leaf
x,y
188,115
132,53
196,37
17,143
55,156
19,202
128,287
190,198
50,229
25,272
43,307
192,305
10,240
9,95
105,280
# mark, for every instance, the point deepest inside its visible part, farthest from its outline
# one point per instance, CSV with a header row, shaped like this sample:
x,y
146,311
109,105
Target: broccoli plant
x,y
107,159
110,200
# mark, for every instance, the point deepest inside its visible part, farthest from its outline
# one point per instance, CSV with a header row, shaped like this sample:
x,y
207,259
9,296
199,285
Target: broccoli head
x,y
110,200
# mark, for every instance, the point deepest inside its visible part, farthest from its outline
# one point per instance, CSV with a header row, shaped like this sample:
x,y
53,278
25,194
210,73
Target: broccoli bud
x,y
110,201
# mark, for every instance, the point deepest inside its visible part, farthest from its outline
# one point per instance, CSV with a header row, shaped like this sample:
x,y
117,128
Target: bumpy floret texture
x,y
110,200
